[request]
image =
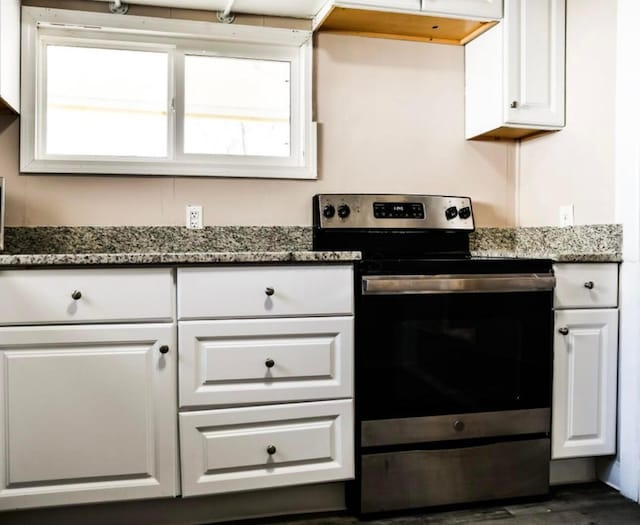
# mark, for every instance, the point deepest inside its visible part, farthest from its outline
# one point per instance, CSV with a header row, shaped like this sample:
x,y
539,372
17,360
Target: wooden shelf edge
x,y
512,133
415,27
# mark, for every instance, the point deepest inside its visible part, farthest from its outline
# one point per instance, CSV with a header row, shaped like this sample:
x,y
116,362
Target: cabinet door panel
x,y
584,383
88,414
535,55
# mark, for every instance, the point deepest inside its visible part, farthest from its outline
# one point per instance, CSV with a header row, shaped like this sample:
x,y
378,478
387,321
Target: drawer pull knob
x,y
164,349
564,330
271,450
269,363
589,285
458,425
76,295
269,291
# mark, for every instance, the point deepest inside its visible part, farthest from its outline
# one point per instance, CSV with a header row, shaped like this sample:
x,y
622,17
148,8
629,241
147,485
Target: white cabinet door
x,y
514,72
584,383
489,9
535,62
10,54
87,414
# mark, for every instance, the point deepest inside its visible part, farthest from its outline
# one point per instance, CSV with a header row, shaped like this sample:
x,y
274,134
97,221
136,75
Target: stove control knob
x,y
344,211
329,211
464,213
451,213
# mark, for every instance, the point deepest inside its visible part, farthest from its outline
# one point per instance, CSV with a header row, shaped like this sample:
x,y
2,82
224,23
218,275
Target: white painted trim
x,y
627,178
178,38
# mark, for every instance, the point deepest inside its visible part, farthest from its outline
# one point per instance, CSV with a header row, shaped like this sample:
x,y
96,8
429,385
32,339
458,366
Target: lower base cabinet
x,y
234,449
88,414
585,383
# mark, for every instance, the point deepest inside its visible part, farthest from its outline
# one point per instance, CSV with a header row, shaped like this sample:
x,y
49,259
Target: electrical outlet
x,y
194,217
566,215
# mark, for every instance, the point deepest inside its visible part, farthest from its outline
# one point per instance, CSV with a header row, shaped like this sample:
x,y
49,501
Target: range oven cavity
x,y
453,361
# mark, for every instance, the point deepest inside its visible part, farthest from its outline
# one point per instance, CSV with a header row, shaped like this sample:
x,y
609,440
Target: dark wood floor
x,y
591,504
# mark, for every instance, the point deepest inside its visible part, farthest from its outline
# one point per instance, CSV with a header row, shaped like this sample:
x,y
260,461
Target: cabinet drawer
x,y
101,295
266,291
263,361
250,448
586,285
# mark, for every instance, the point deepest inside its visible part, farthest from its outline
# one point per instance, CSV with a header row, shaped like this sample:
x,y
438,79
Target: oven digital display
x,y
398,210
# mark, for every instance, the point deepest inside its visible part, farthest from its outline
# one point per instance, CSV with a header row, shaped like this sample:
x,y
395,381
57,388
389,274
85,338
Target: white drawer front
x,y
593,285
249,448
102,295
266,291
262,361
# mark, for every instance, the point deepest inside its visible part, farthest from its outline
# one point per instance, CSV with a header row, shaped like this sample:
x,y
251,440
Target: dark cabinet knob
x,y
458,425
271,450
76,295
589,285
269,291
269,363
164,349
564,330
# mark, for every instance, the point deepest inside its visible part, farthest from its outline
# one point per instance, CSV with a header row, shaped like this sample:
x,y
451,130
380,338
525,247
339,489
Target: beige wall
x,y
576,165
391,119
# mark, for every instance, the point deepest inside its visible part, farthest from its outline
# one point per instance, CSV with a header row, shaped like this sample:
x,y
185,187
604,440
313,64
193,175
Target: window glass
x,y
237,106
106,102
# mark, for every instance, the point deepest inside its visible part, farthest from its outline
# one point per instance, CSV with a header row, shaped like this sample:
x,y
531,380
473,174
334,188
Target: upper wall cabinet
x,y
489,9
9,56
515,72
439,21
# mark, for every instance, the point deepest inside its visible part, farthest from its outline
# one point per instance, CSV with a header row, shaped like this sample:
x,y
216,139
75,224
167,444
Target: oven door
x,y
453,344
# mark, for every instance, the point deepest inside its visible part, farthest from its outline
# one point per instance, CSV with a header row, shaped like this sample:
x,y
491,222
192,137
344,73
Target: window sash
x,y
299,164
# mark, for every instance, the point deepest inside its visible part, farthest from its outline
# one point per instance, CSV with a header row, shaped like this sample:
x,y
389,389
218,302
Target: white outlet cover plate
x,y
194,217
566,215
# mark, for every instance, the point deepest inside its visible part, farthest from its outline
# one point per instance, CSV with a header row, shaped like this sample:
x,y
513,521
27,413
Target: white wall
x,y
576,165
391,119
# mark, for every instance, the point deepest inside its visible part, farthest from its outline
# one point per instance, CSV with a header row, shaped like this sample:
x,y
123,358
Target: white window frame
x,y
42,27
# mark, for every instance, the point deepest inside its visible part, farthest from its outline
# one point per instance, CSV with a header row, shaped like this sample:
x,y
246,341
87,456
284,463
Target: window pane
x,y
106,102
237,106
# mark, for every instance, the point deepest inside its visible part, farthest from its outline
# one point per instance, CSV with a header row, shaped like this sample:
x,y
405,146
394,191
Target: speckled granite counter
x,y
58,246
55,246
593,243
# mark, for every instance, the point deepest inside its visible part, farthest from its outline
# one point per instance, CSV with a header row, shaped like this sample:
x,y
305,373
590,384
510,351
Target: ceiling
x,y
290,8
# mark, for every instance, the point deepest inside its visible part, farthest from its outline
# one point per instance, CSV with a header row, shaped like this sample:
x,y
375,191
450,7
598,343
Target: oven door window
x,y
420,355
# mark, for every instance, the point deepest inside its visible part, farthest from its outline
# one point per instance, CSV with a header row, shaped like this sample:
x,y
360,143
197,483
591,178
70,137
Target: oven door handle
x,y
463,283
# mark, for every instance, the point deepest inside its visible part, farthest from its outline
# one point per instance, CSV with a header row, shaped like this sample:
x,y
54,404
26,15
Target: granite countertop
x,y
69,246
589,243
124,245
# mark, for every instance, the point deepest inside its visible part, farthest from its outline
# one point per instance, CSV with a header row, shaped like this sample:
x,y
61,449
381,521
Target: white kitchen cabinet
x,y
585,368
392,5
515,72
264,291
9,56
88,414
269,446
258,361
489,9
87,295
472,9
452,22
266,358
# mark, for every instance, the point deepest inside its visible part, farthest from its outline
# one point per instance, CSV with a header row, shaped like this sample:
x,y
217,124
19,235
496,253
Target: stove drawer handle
x,y
463,283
